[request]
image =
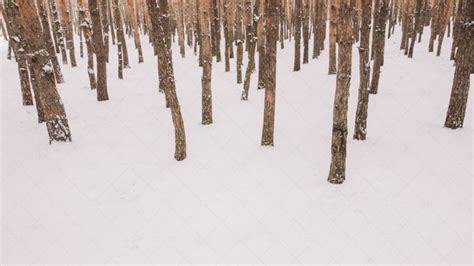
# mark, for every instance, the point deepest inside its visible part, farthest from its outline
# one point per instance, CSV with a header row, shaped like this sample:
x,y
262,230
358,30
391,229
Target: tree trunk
x,y
360,130
337,173
206,63
464,55
252,31
306,32
48,40
136,33
160,27
298,18
99,50
272,14
42,71
67,26
379,31
332,36
58,31
239,39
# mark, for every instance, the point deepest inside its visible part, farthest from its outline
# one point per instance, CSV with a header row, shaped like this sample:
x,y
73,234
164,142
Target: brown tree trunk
x,y
332,36
216,30
49,41
337,173
160,28
18,45
261,42
58,31
86,29
464,63
99,50
206,63
67,26
239,39
136,33
379,46
306,32
272,14
252,31
228,33
298,18
42,71
120,36
360,130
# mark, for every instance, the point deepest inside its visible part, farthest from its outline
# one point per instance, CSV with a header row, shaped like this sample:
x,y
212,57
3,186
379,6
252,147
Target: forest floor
x,y
116,195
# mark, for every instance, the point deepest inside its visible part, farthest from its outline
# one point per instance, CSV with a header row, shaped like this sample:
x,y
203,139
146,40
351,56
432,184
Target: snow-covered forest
x,y
236,131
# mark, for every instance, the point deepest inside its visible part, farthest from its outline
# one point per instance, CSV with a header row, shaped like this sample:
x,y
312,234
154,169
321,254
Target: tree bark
x,y
42,71
206,63
464,63
252,31
272,11
337,173
160,27
360,130
332,36
298,18
99,50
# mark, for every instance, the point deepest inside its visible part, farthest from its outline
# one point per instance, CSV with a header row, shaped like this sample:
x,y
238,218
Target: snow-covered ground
x,y
116,195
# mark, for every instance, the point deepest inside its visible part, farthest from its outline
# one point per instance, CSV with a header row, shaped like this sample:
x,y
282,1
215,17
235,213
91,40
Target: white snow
x,y
116,195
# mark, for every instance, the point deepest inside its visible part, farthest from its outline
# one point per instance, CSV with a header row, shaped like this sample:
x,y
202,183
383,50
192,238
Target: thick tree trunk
x,y
160,26
337,173
206,63
42,72
272,14
464,63
360,130
18,45
99,50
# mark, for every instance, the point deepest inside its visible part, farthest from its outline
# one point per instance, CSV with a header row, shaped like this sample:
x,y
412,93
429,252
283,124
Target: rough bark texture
x,y
272,10
464,63
360,130
206,63
99,50
86,30
136,33
239,38
120,36
298,18
58,31
49,41
67,26
332,36
252,31
160,26
378,46
337,172
42,71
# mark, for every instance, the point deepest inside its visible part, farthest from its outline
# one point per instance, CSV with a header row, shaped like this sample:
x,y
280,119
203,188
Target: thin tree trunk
x,y
332,36
67,26
120,37
136,33
239,39
298,18
252,31
206,63
360,130
58,31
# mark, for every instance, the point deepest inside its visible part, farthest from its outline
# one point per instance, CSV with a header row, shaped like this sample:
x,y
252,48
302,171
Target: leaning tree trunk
x,y
42,71
252,31
272,15
206,63
160,28
49,41
378,47
360,130
99,50
337,173
464,55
